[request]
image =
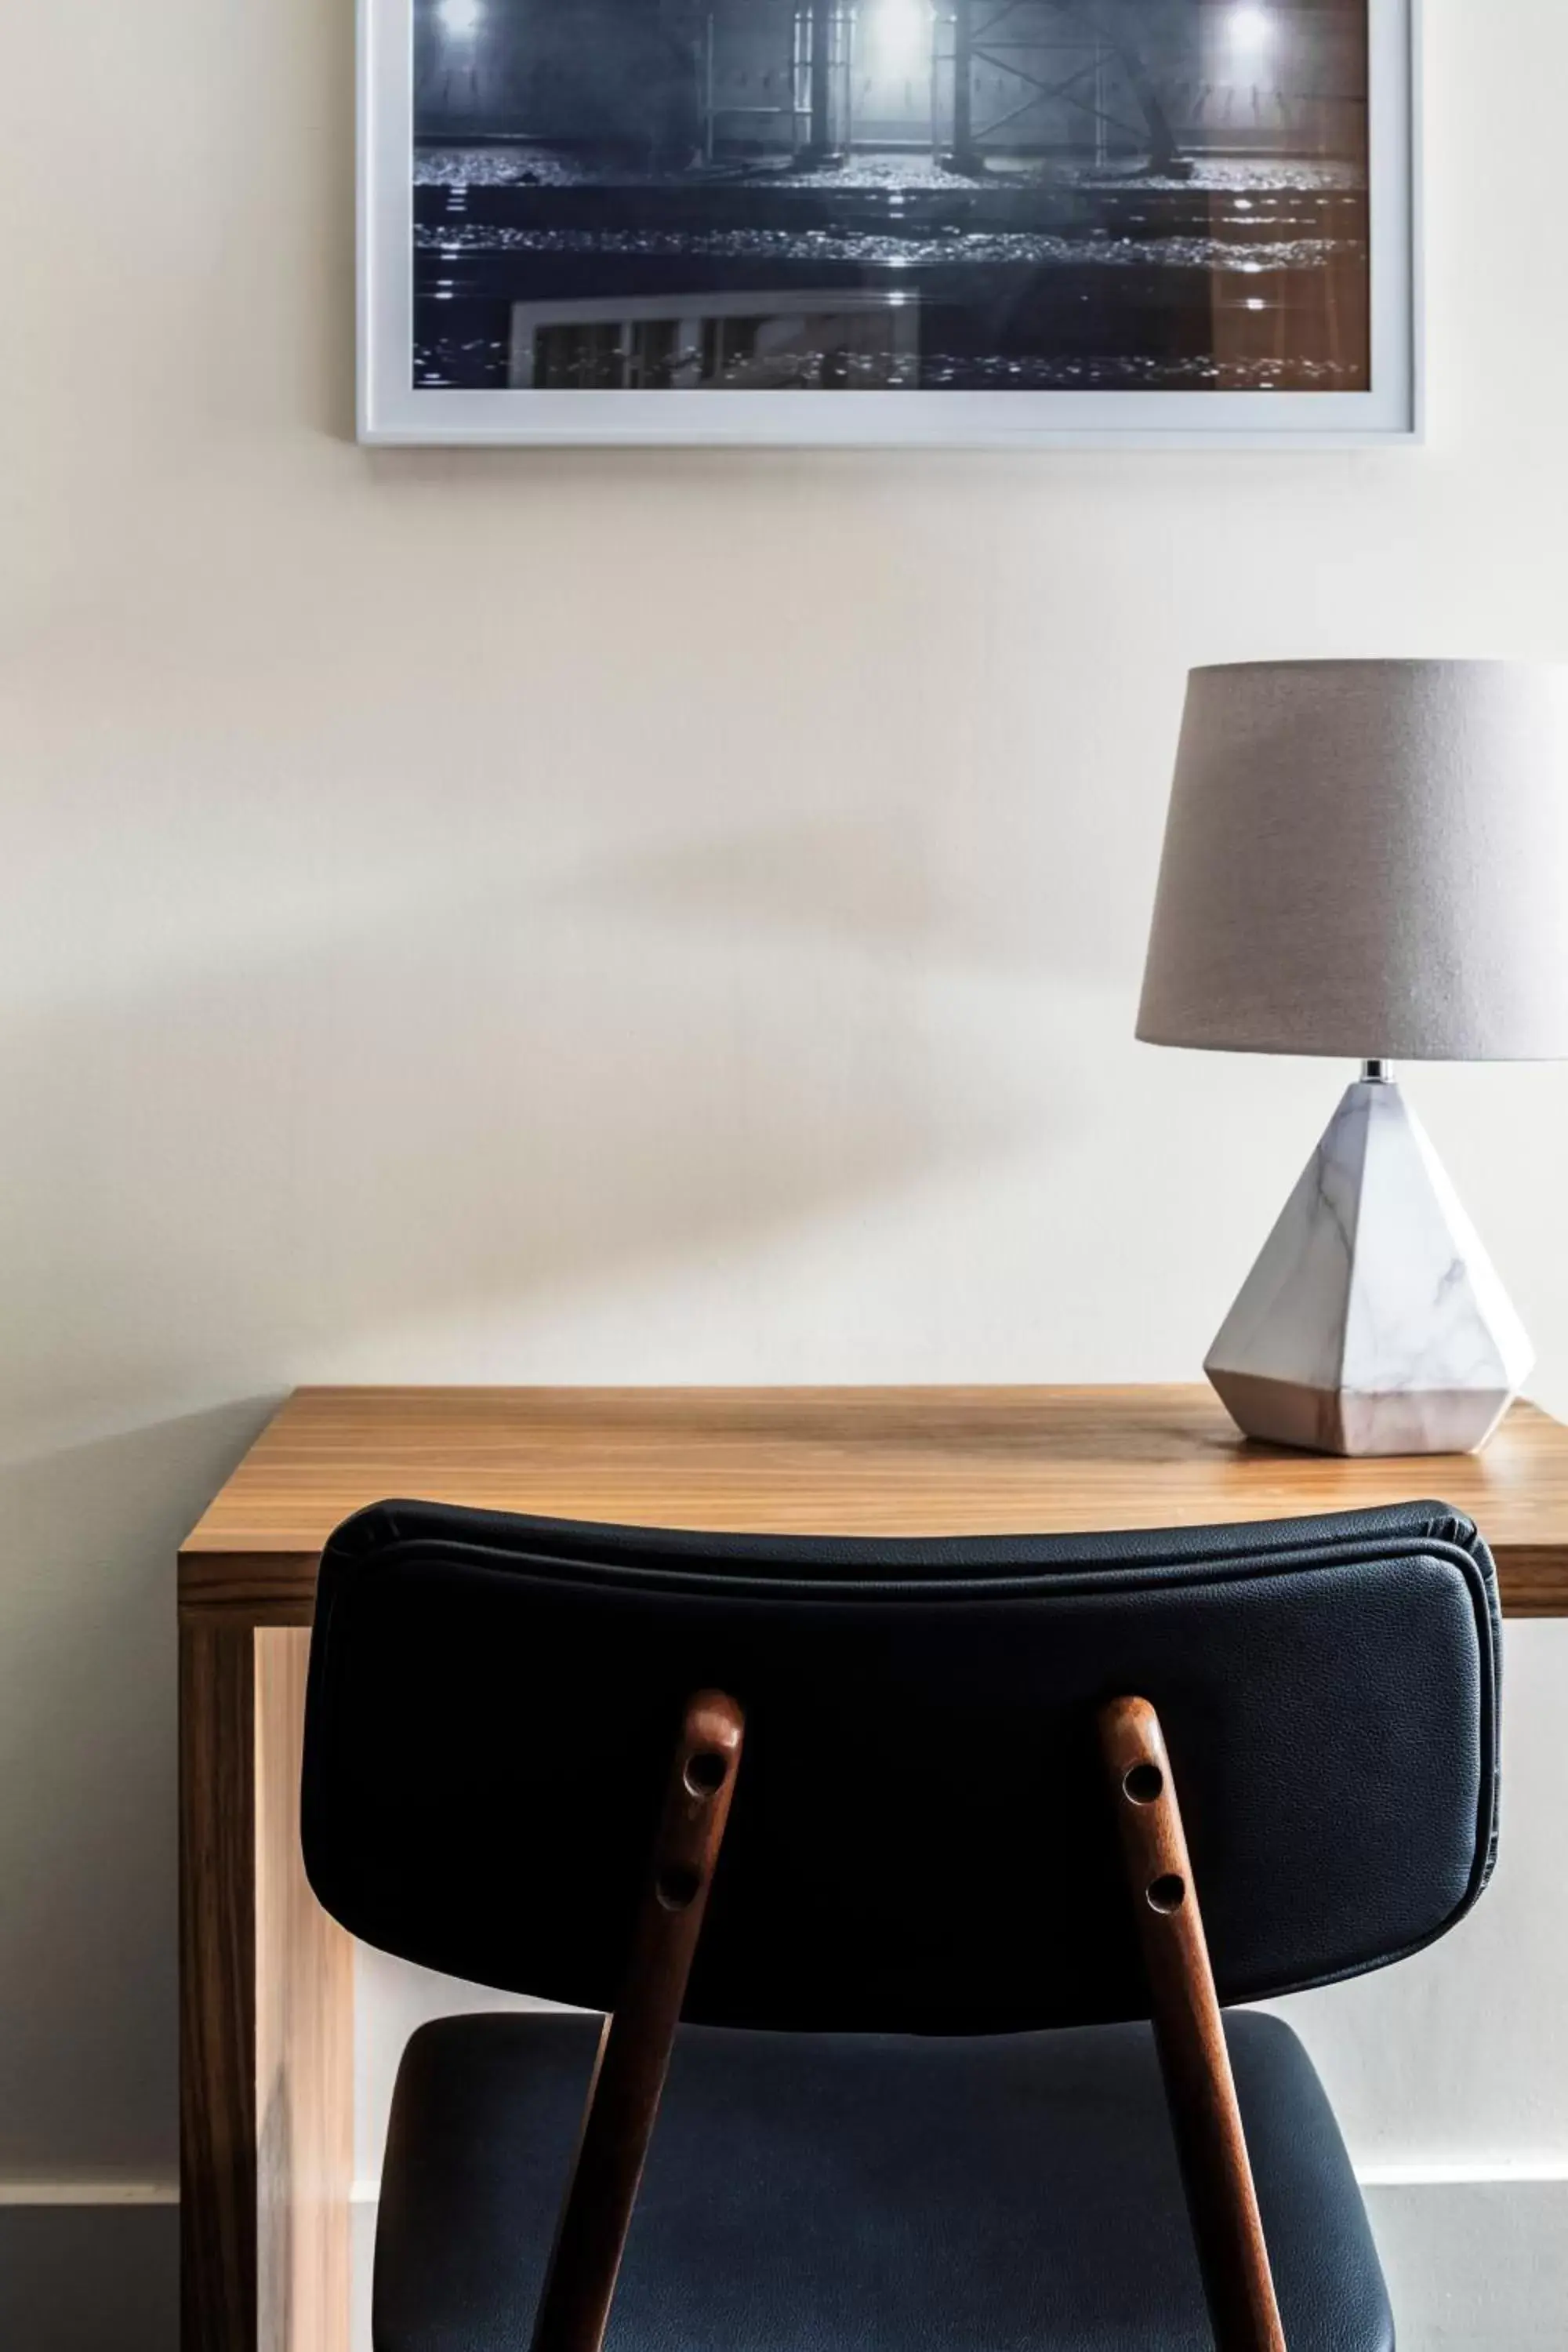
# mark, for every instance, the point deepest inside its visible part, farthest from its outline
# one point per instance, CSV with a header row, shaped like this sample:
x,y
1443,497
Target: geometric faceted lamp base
x,y
1374,1322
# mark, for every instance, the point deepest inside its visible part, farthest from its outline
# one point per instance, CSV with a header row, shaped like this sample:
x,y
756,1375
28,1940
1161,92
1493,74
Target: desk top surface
x,y
915,1461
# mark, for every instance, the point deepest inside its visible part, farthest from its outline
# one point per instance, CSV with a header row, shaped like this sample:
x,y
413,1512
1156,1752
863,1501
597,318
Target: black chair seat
x,y
848,2193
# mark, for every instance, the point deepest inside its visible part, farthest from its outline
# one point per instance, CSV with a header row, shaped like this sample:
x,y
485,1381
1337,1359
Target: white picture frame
x,y
392,410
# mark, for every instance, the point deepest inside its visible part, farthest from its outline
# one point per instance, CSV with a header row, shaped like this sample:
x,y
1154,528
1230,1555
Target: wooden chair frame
x,y
1200,2090
634,2050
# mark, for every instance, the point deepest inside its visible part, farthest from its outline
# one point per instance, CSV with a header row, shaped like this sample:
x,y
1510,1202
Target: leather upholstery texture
x,y
822,2193
920,1840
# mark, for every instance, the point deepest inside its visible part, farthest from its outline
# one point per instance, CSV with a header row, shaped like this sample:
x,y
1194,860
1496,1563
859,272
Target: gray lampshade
x,y
1367,859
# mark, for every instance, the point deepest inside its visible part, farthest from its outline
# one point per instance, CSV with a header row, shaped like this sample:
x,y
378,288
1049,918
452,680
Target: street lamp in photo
x,y
1248,31
899,34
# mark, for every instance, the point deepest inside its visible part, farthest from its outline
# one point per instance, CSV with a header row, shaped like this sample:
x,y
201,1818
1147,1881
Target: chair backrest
x,y
921,1837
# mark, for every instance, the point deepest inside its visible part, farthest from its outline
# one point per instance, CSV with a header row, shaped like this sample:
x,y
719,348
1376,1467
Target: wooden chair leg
x,y
1199,2086
634,2050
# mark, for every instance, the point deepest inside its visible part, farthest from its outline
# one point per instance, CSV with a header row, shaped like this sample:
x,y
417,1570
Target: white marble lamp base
x,y
1374,1322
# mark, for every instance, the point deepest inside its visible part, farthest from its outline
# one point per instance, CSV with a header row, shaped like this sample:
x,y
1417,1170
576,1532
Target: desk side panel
x,y
217,2010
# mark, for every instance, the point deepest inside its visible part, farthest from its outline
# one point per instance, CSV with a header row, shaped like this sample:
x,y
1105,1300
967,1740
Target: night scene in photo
x,y
841,195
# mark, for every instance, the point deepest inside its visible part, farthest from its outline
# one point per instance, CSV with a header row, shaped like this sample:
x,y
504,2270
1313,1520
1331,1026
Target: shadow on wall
x,y
1030,905
467,1097
87,1793
445,1100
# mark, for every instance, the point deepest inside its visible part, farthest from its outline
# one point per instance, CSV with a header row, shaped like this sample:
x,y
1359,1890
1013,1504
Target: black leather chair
x,y
917,2102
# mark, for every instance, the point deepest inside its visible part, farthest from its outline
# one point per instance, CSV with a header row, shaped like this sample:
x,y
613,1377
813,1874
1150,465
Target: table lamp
x,y
1368,859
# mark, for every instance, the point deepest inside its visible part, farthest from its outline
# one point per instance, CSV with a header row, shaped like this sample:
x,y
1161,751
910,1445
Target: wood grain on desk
x,y
866,1461
267,2004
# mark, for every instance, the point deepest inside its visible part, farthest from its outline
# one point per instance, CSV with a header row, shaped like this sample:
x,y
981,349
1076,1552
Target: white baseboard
x,y
1476,2265
89,2192
1460,2173
1464,2172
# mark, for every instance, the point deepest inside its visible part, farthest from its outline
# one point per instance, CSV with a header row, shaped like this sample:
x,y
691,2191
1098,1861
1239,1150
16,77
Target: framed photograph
x,y
889,221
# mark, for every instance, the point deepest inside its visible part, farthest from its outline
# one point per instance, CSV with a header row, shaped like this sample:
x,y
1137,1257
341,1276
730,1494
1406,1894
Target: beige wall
x,y
484,916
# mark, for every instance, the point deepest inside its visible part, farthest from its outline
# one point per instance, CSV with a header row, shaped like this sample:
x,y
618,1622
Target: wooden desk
x,y
267,2002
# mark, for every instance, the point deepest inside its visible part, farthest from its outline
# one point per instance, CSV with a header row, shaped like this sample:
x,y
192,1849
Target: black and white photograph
x,y
1089,199
988,196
